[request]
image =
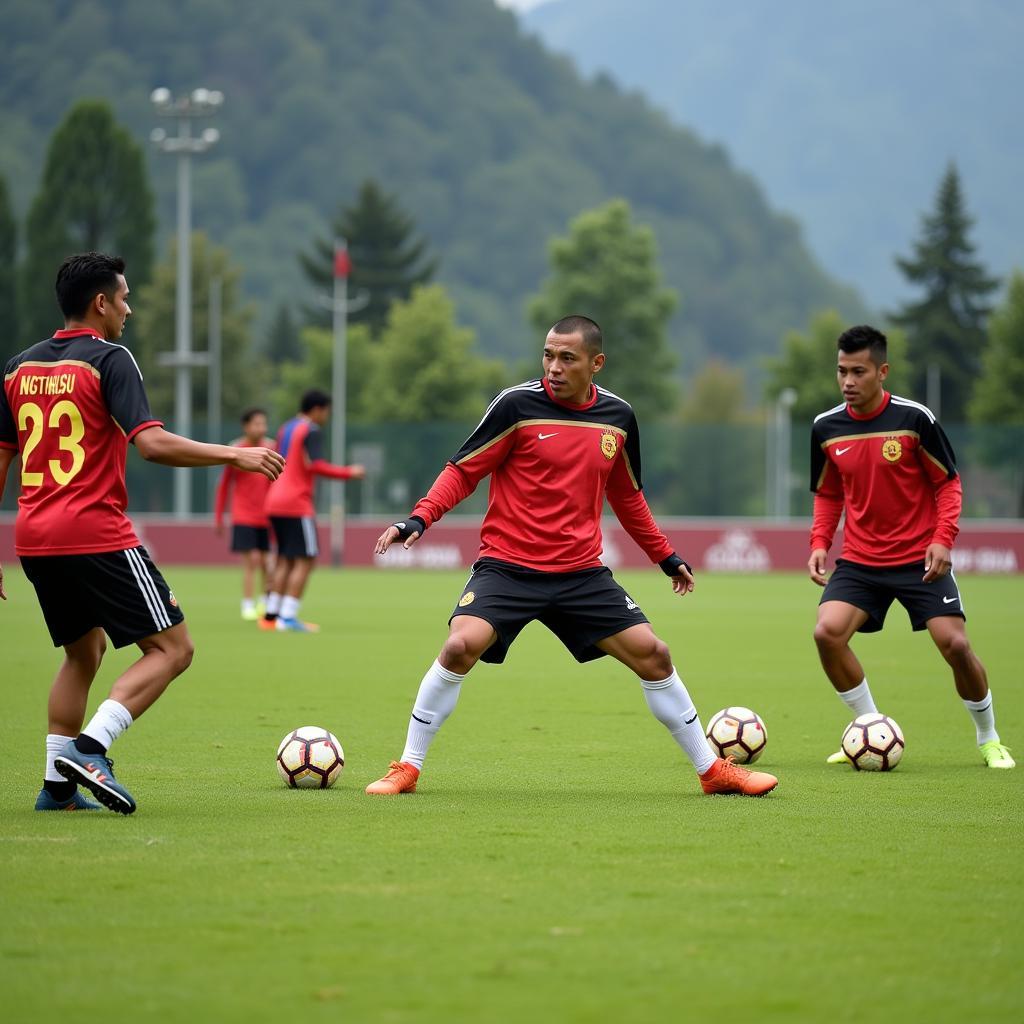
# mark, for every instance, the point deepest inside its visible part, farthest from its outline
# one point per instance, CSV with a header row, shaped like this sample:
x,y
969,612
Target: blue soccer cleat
x,y
45,802
96,773
295,626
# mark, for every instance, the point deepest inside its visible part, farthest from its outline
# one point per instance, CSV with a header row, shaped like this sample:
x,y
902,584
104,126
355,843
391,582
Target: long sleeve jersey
x,y
552,464
894,472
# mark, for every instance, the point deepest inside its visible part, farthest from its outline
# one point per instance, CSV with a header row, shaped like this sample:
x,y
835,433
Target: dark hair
x,y
253,411
577,324
856,339
314,399
82,277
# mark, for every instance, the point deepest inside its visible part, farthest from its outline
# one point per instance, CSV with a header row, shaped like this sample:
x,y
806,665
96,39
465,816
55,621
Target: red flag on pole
x,y
342,262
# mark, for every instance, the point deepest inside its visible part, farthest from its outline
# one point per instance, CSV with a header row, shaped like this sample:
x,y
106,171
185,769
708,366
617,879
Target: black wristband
x,y
670,566
411,525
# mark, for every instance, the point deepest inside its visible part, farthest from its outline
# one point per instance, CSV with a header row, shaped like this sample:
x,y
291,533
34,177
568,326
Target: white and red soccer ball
x,y
873,743
738,733
310,758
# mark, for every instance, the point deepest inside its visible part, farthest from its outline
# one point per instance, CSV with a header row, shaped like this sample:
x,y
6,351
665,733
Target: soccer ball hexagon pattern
x,y
873,743
310,758
738,733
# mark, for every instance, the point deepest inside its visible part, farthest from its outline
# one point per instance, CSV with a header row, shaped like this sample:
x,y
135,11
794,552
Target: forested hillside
x,y
490,142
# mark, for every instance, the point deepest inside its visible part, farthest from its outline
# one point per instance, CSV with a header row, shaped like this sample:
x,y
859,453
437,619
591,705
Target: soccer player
x,y
289,505
69,406
250,527
888,463
555,449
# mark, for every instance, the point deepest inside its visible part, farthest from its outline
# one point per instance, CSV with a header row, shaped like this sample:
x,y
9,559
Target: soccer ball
x,y
873,743
310,758
738,733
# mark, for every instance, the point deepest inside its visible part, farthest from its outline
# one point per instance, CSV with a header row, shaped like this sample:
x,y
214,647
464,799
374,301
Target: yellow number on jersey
x,y
31,418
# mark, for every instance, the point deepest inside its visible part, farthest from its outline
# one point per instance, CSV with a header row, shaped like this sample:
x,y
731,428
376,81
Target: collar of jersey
x,y
76,332
570,405
871,415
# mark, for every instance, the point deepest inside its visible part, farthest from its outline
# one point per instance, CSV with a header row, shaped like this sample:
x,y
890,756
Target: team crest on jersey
x,y
467,598
609,445
892,450
171,599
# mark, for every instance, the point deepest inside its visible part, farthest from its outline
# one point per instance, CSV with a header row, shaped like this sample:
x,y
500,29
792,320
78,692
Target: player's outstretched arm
x,y
816,566
409,531
158,445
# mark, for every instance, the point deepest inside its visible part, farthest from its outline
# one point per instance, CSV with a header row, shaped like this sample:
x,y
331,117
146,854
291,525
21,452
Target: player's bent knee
x,y
825,635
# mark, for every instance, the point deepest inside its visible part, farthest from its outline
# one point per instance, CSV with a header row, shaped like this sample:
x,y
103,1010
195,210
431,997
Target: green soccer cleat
x,y
77,802
839,757
996,755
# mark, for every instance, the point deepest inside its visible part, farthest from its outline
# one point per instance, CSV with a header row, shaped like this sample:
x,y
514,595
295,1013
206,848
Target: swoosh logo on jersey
x,y
843,451
950,600
544,437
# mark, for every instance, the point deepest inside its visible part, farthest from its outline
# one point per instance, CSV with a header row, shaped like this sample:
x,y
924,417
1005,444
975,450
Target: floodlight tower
x,y
184,108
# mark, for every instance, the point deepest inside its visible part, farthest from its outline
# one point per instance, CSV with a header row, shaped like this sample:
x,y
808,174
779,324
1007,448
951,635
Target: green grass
x,y
558,862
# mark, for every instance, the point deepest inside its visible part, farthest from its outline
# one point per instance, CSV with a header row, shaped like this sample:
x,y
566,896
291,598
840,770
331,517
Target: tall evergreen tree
x,y
8,279
94,195
946,328
607,269
388,260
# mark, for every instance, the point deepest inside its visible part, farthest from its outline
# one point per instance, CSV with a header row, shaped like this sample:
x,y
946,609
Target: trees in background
x,y
9,277
946,327
606,268
244,378
996,401
94,195
388,259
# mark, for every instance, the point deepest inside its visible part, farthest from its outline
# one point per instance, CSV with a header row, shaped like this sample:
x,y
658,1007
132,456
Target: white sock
x,y
273,603
984,718
111,719
859,699
435,701
290,607
248,605
671,705
54,745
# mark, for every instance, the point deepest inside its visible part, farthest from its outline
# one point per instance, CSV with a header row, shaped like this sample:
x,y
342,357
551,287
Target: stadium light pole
x,y
185,108
342,268
783,445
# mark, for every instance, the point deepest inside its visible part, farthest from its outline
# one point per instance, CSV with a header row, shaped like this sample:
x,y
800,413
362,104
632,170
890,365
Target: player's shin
x,y
670,703
435,701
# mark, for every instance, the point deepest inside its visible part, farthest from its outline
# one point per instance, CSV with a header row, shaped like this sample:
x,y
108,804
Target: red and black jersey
x,y
894,472
301,442
70,405
552,464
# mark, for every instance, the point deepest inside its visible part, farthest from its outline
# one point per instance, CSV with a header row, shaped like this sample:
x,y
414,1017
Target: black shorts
x,y
250,538
295,536
580,608
122,592
873,590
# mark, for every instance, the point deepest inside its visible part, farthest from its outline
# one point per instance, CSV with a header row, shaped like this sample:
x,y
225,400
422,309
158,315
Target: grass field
x,y
558,862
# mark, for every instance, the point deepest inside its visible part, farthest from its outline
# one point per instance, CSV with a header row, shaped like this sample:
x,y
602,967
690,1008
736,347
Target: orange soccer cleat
x,y
724,776
401,778
268,625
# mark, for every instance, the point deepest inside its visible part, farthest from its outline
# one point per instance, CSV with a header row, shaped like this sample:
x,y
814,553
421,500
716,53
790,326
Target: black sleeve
x,y
631,450
936,445
123,391
500,417
315,443
818,458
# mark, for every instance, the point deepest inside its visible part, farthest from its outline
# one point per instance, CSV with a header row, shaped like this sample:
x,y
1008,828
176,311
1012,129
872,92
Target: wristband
x,y
413,524
670,566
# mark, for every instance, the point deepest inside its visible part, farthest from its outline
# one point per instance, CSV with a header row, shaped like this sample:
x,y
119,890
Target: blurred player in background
x,y
69,406
886,461
289,505
555,449
250,527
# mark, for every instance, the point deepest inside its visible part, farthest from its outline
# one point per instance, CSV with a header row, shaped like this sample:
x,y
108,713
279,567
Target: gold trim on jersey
x,y
945,469
606,427
867,437
58,362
